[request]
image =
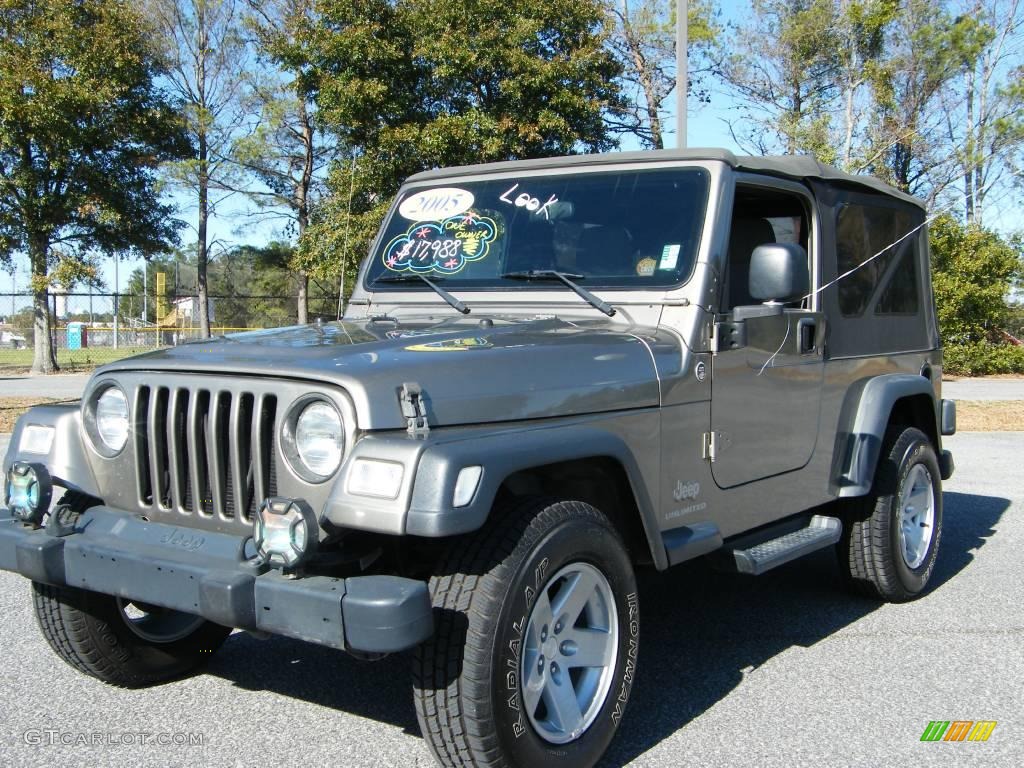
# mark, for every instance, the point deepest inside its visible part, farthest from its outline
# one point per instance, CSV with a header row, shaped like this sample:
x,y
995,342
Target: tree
x,y
985,113
781,66
973,272
139,300
861,27
415,84
253,282
287,152
904,139
82,131
206,58
643,40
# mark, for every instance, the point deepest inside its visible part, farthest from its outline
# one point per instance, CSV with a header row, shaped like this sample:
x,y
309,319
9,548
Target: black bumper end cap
x,y
385,614
41,558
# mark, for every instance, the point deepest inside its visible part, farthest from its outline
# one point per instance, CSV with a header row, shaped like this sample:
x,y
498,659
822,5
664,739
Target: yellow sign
x,y
161,301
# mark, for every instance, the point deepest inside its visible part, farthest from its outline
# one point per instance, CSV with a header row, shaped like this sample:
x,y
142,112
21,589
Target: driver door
x,y
766,391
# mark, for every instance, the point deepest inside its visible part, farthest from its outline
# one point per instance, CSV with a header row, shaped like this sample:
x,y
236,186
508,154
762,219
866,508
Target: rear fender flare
x,y
863,421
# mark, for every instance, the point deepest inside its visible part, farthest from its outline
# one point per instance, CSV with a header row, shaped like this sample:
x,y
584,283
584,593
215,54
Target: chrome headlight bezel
x,y
90,419
290,438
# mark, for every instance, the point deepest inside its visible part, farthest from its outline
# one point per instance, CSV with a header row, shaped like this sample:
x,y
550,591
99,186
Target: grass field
x,y
990,415
68,359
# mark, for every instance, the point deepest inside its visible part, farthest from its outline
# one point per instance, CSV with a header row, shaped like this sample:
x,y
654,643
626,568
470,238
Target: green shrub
x,y
983,359
974,271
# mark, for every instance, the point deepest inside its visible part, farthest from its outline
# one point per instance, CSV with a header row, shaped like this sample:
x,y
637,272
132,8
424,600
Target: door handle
x,y
806,331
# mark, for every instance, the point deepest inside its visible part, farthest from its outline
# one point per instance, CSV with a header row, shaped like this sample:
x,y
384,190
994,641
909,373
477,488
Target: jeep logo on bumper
x,y
187,541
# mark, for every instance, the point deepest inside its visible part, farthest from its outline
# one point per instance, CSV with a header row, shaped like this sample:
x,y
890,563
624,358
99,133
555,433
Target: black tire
x,y
90,632
871,553
467,686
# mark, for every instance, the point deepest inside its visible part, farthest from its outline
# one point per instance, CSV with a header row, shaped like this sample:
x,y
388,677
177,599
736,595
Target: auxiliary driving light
x,y
285,532
29,490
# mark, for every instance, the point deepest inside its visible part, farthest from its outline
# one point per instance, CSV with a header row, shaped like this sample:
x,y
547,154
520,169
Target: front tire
x,y
534,655
121,642
891,537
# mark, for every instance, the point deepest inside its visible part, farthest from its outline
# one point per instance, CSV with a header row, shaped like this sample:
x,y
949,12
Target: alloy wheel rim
x,y
569,654
917,516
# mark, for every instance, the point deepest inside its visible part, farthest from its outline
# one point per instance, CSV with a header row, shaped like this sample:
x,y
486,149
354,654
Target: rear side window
x,y
887,284
878,292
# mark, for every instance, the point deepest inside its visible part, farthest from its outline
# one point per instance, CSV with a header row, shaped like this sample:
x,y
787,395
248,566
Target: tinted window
x,y
900,296
760,216
887,283
628,229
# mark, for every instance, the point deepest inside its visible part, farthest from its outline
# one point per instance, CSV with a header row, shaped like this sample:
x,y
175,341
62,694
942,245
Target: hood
x,y
471,371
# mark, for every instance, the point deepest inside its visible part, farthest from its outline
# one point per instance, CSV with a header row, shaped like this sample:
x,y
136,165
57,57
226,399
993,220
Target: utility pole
x,y
145,294
117,289
682,70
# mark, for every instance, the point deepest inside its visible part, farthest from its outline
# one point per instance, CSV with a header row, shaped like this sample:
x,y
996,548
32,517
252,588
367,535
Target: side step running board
x,y
820,533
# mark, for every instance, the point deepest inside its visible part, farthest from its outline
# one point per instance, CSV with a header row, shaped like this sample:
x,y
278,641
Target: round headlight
x,y
112,418
319,438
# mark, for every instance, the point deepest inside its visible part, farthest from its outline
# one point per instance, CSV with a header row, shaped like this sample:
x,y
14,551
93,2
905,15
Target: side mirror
x,y
778,273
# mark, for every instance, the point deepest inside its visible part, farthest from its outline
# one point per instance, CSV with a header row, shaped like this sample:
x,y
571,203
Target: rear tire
x,y
534,654
891,537
119,642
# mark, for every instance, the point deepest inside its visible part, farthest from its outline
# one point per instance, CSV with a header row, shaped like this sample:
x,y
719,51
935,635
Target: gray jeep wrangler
x,y
550,373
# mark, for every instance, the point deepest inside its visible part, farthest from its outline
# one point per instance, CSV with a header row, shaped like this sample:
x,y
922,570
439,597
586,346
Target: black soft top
x,y
798,167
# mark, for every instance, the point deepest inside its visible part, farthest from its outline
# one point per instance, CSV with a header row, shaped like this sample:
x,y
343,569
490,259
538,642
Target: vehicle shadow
x,y
701,630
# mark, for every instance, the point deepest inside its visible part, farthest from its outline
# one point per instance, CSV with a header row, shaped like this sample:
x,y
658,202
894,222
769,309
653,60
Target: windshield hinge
x,y
727,336
413,409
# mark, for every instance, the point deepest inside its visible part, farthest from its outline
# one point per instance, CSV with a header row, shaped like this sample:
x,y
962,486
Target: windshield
x,y
630,229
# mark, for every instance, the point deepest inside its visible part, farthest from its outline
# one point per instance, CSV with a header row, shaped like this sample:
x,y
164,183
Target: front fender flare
x,y
502,454
67,460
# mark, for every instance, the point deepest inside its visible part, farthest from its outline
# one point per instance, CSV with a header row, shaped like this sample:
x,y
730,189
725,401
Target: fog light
x,y
29,490
285,532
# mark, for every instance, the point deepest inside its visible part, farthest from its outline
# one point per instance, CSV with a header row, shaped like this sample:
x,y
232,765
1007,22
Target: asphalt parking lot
x,y
68,385
785,670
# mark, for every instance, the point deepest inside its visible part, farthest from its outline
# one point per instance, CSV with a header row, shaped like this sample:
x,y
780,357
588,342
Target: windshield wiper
x,y
409,277
567,278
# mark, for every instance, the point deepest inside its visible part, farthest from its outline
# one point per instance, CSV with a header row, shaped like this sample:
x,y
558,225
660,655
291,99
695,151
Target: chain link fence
x,y
91,329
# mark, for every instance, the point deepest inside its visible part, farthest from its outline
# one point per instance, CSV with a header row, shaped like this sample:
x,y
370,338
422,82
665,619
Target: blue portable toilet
x,y
77,336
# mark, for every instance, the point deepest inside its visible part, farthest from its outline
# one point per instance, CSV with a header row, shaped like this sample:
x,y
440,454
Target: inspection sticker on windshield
x,y
669,257
436,204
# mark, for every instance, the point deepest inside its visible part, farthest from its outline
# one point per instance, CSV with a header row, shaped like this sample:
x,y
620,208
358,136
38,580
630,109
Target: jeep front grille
x,y
204,451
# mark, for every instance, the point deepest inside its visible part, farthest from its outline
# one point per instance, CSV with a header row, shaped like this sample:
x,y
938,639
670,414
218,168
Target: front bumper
x,y
207,574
